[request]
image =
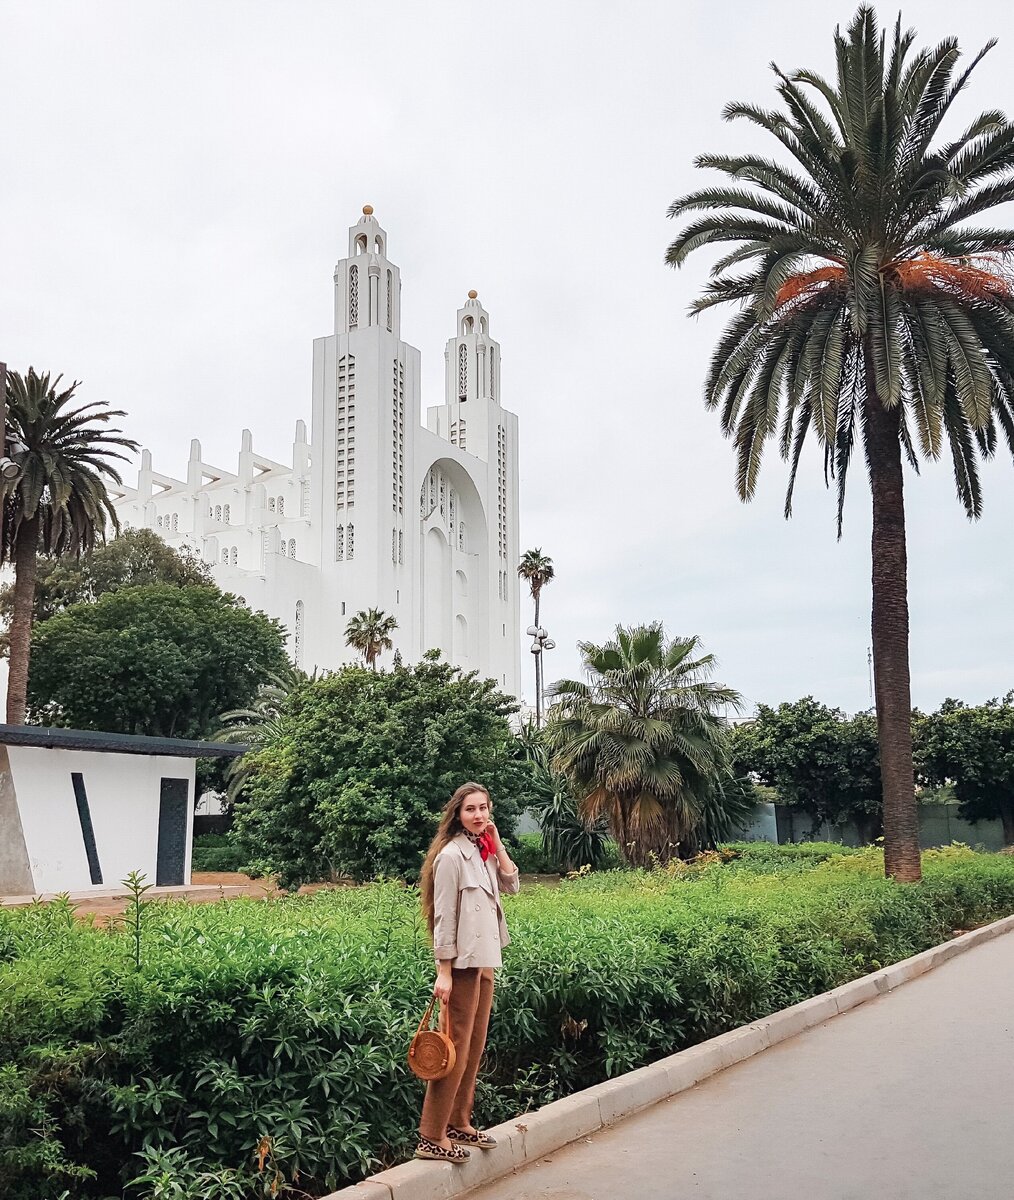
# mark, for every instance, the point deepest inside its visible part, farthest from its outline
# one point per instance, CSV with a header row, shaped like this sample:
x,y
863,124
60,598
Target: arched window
x,y
226,514
492,373
354,292
390,299
304,500
401,546
361,245
160,522
339,542
281,506
463,372
271,504
225,555
218,512
461,536
467,325
292,547
176,522
297,635
394,545
350,544
378,245
234,556
482,324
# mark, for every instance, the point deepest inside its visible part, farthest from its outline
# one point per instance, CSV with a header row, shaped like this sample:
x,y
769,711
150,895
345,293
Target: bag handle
x,y
444,1020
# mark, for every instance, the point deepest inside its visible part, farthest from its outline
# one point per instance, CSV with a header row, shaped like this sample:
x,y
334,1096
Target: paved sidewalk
x,y
906,1097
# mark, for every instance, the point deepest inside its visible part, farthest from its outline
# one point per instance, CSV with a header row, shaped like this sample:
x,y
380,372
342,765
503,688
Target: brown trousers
x,y
449,1100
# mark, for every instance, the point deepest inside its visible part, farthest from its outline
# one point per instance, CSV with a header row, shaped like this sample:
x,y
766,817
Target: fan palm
x,y
644,741
58,502
369,632
259,725
537,569
867,310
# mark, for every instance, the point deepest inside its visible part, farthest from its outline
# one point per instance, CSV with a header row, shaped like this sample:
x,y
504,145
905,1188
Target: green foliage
x,y
352,780
856,281
158,660
134,558
568,840
369,632
819,761
259,1041
973,748
533,858
219,852
644,744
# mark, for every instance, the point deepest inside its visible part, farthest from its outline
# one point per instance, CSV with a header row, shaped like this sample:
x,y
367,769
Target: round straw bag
x,y
431,1054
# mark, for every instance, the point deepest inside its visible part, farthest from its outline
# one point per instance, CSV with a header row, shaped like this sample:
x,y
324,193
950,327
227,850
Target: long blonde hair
x,y
450,826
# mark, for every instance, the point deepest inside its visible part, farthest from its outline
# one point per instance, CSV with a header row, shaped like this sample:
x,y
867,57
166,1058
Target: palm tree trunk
x,y
892,683
538,670
25,568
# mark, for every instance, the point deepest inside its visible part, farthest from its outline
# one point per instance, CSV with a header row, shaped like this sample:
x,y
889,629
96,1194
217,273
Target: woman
x,y
464,873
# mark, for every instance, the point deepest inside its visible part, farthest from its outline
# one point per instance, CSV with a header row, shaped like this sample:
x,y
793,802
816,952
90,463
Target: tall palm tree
x,y
369,632
644,741
537,569
58,502
866,309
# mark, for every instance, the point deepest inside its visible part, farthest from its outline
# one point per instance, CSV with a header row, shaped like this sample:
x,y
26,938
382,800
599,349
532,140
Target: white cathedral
x,y
374,511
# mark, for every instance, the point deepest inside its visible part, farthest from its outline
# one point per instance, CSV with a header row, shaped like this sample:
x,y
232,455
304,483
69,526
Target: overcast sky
x,y
176,185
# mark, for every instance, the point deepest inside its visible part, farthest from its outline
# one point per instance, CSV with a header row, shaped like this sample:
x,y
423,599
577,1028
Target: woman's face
x,y
474,812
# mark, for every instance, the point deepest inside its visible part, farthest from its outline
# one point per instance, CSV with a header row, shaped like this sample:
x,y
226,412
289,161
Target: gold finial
x,y
367,210
473,294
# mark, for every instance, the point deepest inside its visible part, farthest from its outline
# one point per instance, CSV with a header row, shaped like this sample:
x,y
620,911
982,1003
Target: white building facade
x,y
373,510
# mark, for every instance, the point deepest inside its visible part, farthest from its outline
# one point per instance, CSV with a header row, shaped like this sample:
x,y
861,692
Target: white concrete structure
x,y
373,511
78,819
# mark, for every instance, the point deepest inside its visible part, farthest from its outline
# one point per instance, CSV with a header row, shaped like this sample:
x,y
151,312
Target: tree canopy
x,y
134,558
973,748
158,660
369,632
819,761
352,778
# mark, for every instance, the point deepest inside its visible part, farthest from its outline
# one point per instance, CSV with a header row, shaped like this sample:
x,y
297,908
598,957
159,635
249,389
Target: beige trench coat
x,y
468,922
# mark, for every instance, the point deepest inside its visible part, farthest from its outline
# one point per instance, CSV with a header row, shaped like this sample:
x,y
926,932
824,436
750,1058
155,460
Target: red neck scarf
x,y
486,843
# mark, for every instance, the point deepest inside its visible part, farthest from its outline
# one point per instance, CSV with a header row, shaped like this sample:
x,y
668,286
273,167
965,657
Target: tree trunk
x,y
538,671
892,683
1007,821
25,567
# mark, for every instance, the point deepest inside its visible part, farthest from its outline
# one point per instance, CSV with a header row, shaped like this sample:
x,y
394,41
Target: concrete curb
x,y
533,1135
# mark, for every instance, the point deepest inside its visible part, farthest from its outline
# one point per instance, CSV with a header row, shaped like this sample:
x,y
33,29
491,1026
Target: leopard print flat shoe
x,y
481,1141
436,1152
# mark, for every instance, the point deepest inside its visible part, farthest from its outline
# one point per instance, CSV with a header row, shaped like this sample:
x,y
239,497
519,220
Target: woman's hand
x,y
497,840
442,987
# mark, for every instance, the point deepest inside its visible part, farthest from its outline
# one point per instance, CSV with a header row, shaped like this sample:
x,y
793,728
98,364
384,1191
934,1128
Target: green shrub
x,y
219,852
238,1046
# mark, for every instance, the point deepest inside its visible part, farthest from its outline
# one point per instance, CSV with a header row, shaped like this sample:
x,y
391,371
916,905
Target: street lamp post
x,y
540,641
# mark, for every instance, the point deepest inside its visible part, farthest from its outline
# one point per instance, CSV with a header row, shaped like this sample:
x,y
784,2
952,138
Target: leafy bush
x,y
234,1048
352,778
529,852
219,852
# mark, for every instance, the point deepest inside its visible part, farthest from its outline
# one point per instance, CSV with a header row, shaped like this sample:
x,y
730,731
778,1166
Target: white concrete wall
x,y
123,793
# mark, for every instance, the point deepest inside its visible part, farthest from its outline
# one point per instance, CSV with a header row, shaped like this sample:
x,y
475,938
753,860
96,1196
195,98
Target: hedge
x,y
261,1043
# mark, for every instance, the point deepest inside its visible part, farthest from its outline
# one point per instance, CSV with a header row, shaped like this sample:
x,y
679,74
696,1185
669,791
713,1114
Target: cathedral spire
x,y
473,358
367,284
